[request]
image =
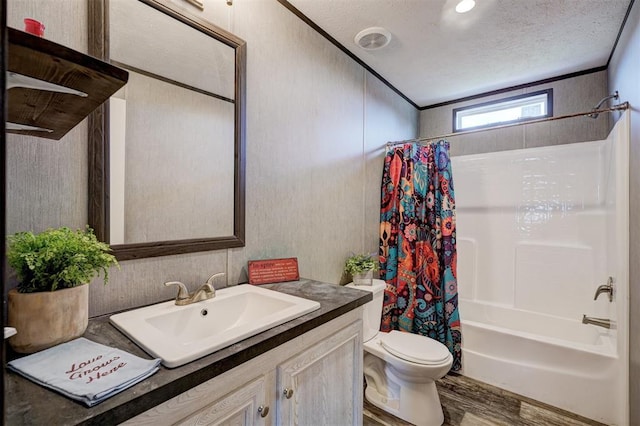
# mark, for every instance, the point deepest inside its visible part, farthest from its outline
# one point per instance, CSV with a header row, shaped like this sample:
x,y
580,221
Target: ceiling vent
x,y
373,38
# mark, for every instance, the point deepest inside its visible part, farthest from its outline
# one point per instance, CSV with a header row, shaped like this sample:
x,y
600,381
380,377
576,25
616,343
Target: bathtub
x,y
538,230
554,360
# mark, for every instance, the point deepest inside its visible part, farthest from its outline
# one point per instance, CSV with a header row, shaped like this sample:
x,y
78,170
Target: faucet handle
x,y
183,293
605,288
213,277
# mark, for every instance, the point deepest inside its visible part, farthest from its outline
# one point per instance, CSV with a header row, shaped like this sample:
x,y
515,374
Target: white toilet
x,y
401,368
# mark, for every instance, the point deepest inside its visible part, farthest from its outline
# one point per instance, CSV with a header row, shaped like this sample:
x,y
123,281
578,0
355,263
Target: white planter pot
x,y
364,278
48,318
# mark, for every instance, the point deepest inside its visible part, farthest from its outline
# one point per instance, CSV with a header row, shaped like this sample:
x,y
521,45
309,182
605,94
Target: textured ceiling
x,y
437,55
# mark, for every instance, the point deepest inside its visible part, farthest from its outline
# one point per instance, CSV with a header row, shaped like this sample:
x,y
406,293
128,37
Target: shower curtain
x,y
418,244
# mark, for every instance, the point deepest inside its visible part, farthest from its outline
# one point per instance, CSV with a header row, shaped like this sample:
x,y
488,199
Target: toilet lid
x,y
414,348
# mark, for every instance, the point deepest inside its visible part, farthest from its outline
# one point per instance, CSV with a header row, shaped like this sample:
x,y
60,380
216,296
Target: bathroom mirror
x,y
166,172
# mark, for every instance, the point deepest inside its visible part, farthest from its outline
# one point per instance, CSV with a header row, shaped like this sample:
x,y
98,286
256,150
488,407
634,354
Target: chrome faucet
x,y
204,292
600,322
605,288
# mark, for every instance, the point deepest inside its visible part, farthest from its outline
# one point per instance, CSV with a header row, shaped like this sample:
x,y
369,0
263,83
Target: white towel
x,y
84,370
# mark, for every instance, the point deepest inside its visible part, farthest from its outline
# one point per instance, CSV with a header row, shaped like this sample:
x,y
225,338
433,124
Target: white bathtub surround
x,y
538,231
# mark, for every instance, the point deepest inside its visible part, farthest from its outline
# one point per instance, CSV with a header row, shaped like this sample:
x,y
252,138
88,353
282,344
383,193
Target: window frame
x,y
547,92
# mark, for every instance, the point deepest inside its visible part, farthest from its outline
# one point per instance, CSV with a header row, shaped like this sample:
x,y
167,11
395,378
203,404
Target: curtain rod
x,y
619,107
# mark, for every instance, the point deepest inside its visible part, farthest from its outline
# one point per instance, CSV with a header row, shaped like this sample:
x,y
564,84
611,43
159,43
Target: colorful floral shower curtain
x,y
418,244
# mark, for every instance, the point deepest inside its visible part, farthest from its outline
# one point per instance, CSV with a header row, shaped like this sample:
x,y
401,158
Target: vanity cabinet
x,y
244,406
314,379
323,385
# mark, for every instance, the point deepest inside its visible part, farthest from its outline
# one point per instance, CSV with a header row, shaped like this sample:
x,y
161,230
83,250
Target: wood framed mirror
x,y
167,152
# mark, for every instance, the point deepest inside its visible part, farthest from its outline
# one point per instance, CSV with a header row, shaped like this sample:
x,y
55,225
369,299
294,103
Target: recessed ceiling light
x,y
373,38
465,6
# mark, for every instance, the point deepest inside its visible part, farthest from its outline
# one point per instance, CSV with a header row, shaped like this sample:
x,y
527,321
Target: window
x,y
531,106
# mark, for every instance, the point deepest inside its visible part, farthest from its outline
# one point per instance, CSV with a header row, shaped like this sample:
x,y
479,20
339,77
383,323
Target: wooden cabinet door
x,y
323,384
246,406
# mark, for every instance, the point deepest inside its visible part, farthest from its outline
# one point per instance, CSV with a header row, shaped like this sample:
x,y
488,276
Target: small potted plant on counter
x,y
51,302
361,267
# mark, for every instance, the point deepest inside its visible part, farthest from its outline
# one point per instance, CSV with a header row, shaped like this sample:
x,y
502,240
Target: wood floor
x,y
467,402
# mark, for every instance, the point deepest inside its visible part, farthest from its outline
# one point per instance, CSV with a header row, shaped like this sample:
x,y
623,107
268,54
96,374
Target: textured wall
x,y
623,76
47,180
316,122
569,96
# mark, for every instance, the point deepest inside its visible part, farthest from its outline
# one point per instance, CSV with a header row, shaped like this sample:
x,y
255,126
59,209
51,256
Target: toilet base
x,y
425,412
417,403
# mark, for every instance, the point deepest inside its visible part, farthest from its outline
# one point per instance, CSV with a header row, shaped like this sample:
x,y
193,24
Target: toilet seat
x,y
414,348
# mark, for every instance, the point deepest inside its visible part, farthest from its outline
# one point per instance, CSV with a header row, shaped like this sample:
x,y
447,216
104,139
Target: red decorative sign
x,y
273,270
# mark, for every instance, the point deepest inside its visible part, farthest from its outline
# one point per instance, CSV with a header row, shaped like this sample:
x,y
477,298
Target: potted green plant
x,y
361,267
51,302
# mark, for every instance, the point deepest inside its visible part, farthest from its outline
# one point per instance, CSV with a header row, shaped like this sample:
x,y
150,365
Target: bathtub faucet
x,y
600,322
605,288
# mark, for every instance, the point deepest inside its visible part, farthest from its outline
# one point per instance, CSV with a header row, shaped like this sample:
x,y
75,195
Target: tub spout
x,y
600,322
605,288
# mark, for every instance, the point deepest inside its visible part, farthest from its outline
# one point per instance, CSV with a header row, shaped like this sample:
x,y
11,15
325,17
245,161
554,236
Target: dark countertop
x,y
29,404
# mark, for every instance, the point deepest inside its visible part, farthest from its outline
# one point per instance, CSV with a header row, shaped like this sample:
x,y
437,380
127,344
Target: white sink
x,y
181,334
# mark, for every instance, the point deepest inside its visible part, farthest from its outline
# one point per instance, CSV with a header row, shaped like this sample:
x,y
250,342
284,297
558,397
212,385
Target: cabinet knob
x,y
263,410
288,393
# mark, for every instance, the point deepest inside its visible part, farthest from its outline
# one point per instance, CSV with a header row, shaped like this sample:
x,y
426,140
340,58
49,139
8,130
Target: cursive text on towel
x,y
93,369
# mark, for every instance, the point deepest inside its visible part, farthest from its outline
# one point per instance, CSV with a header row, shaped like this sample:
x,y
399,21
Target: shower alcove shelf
x,y
39,72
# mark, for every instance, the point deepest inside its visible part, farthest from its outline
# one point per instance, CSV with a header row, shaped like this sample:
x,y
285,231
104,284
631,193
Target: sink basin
x,y
181,334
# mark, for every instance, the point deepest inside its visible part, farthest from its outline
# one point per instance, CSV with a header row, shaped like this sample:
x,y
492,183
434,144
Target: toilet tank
x,y
372,310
